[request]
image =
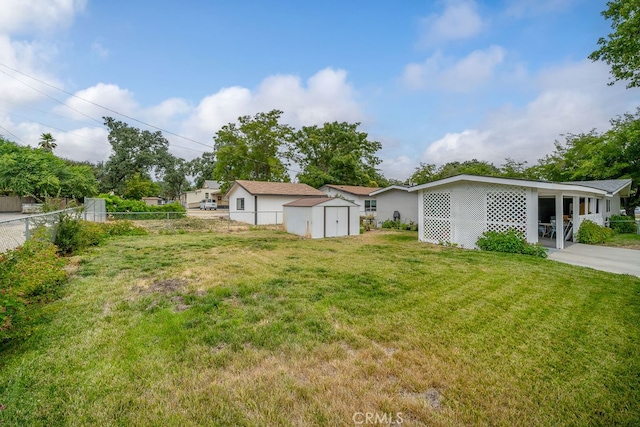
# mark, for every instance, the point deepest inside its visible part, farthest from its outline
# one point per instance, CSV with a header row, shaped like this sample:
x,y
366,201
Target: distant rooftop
x,y
278,188
354,189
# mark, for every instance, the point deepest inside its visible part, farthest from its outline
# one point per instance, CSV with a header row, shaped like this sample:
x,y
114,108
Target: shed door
x,y
336,221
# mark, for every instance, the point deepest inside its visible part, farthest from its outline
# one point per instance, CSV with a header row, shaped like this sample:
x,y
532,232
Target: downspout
x,y
255,206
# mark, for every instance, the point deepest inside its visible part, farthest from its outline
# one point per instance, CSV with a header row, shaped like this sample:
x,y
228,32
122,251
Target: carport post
x,y
559,222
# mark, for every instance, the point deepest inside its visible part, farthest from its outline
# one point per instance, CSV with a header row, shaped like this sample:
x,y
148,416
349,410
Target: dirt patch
x,y
167,286
432,398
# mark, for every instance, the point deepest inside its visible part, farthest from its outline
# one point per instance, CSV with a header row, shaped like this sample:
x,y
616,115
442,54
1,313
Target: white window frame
x,y
368,205
240,203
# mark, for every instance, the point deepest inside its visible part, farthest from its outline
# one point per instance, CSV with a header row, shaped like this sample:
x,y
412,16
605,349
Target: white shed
x,y
322,217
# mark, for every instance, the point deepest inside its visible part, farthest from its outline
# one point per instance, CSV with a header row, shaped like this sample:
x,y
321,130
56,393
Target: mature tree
x,y
515,169
201,168
337,153
133,152
592,155
47,142
428,172
26,171
253,149
621,49
174,179
424,173
139,186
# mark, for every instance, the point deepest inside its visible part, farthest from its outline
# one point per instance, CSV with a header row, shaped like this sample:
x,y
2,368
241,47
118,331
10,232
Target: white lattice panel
x,y
437,217
461,214
506,208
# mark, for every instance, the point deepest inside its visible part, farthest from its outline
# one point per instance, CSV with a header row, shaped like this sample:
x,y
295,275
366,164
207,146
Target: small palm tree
x,y
47,142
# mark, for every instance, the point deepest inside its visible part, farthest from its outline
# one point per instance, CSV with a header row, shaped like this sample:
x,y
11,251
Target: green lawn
x,y
629,241
262,328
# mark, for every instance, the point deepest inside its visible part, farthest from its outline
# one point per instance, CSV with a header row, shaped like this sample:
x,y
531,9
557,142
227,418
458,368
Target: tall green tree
x,y
621,48
133,152
174,180
26,171
337,153
47,142
428,172
593,155
255,148
201,168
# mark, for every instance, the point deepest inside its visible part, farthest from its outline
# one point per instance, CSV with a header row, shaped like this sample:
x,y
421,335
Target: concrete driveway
x,y
613,260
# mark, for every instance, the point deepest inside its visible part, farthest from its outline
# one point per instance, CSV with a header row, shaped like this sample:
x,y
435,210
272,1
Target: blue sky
x,y
434,81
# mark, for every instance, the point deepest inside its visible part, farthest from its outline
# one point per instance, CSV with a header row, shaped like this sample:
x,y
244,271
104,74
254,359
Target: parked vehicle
x,y
209,204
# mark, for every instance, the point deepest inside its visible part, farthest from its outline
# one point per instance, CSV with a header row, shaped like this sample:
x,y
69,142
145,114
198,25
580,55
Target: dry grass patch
x,y
262,328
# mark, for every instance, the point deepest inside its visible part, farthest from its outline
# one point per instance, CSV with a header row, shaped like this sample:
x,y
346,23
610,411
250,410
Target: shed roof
x,y
354,189
264,188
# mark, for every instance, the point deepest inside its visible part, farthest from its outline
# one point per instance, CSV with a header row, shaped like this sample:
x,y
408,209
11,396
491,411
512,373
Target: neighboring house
x,y
154,201
322,217
258,202
353,193
396,201
210,190
459,209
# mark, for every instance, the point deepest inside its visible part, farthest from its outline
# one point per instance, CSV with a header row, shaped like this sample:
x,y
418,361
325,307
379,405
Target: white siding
x,y
459,213
247,215
397,200
309,221
358,200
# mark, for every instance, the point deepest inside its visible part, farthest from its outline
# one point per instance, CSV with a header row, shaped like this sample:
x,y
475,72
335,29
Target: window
x,y
370,205
597,206
608,205
240,204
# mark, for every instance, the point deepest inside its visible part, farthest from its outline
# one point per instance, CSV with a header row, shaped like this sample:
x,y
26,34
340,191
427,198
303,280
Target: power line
x,y
12,134
48,96
103,107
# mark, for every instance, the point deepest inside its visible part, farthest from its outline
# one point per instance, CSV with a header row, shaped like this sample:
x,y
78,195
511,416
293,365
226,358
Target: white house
x,y
210,190
322,217
356,194
258,202
396,202
460,208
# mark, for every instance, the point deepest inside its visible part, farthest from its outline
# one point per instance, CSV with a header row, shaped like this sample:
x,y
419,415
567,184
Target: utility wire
x,y
102,106
12,134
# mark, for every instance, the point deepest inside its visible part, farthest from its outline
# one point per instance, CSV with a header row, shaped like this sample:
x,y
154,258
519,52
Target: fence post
x,y
26,232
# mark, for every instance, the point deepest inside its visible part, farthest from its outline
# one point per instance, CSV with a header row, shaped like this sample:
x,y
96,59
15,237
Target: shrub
x,y
623,224
592,233
412,226
115,204
29,274
510,241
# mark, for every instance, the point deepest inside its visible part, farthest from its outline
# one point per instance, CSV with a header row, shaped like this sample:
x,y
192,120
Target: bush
x,y
510,241
623,224
412,226
591,233
29,274
120,206
73,235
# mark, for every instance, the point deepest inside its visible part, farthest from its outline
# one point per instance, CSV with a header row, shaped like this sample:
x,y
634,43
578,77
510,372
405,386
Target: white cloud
x,y
464,75
460,20
327,96
33,15
30,56
573,98
99,50
106,95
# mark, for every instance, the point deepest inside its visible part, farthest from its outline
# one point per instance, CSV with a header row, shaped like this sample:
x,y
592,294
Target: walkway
x,y
614,260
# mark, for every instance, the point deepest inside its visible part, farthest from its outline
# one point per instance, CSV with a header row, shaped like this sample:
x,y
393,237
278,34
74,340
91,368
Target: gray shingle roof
x,y
611,186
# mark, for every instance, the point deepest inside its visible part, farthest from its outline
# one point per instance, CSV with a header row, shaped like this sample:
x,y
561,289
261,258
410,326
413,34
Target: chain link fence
x,y
14,232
